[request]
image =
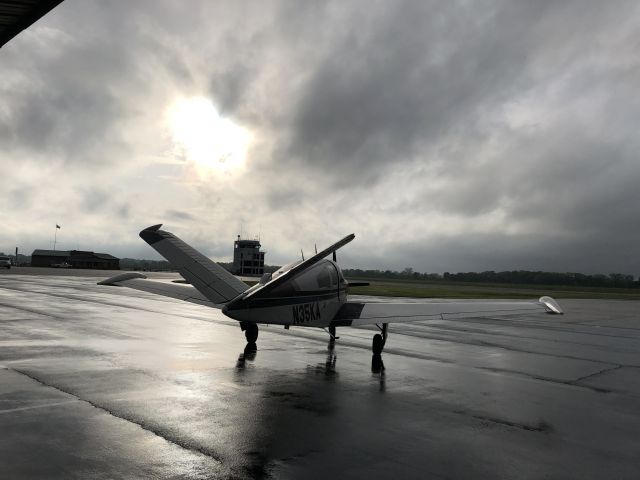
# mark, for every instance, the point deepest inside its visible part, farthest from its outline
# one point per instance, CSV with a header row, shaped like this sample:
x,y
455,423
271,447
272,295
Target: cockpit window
x,y
284,269
266,278
320,277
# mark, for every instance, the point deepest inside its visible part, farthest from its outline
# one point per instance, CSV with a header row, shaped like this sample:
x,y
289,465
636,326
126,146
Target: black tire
x,y
378,344
251,333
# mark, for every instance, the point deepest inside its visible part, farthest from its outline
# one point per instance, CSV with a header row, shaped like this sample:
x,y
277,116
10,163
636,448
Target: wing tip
x,y
121,277
551,305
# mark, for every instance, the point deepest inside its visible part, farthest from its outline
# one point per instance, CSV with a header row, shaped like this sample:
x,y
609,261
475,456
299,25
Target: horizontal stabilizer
x,y
209,278
138,281
359,284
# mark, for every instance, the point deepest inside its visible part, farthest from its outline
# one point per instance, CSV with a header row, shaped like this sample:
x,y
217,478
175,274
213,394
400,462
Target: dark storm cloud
x,y
21,197
94,199
178,215
123,210
229,85
101,202
424,83
407,76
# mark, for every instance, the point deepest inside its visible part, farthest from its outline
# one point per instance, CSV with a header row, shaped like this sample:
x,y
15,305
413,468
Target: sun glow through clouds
x,y
213,144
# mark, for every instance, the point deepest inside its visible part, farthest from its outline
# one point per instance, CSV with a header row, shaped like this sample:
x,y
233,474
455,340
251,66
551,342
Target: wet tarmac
x,y
106,382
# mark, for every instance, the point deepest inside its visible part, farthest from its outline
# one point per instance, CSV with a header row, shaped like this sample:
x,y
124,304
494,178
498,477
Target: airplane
x,y
304,293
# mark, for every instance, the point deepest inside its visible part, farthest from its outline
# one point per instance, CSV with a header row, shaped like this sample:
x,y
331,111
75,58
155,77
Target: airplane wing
x,y
139,281
354,314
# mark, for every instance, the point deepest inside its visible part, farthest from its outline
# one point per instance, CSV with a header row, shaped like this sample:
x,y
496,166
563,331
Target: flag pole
x,y
55,236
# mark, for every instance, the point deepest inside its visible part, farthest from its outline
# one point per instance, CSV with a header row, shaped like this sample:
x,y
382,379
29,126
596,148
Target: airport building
x,y
74,259
247,257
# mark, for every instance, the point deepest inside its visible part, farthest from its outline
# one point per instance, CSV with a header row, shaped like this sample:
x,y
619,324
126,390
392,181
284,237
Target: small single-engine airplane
x,y
305,293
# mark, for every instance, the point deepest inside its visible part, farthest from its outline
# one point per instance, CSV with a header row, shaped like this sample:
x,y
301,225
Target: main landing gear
x,y
332,336
379,339
250,331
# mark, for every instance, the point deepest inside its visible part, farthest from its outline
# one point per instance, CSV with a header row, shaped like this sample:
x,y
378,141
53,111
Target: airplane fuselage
x,y
311,299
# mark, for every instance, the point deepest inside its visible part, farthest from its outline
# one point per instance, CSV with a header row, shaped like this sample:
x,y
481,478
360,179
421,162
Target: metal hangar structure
x,y
16,15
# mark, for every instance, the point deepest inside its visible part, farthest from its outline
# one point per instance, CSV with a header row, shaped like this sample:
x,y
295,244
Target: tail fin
x,y
209,278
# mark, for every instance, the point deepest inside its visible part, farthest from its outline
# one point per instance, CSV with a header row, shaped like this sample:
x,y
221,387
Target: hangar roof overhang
x,y
16,15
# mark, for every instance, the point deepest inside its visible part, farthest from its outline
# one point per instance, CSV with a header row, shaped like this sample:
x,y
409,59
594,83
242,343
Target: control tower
x,y
247,258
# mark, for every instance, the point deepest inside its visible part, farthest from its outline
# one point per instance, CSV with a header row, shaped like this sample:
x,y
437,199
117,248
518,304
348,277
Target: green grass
x,y
418,289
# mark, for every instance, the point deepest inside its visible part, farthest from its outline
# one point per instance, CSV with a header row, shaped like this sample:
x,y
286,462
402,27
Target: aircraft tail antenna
x,y
315,245
302,253
335,257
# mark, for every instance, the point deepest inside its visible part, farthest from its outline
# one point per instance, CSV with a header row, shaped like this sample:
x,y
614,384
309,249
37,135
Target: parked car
x,y
5,262
61,265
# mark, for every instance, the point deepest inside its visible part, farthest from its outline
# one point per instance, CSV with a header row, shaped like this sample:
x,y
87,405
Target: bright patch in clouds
x,y
213,144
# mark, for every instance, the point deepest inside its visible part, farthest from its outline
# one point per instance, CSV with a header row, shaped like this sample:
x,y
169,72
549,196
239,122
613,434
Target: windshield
x,y
285,268
321,277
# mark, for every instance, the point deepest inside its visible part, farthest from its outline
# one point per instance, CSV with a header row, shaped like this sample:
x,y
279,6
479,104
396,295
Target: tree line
x,y
523,277
614,280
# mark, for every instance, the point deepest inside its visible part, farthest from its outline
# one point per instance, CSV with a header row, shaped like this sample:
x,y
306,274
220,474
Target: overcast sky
x,y
448,136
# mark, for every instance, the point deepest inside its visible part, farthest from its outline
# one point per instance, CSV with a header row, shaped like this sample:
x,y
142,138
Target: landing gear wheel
x,y
251,332
379,339
378,344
